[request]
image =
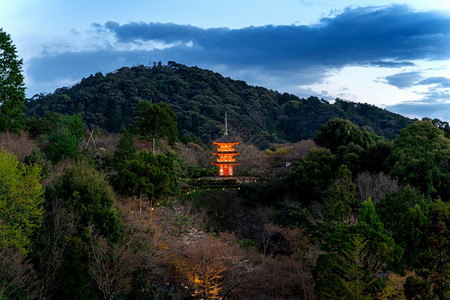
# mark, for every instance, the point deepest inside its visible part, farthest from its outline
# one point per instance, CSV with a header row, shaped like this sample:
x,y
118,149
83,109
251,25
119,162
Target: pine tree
x,y
156,121
354,278
12,87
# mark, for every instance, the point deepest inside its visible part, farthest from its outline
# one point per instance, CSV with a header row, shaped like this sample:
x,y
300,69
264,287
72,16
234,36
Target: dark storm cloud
x,y
391,64
439,81
168,32
279,57
409,79
404,80
355,37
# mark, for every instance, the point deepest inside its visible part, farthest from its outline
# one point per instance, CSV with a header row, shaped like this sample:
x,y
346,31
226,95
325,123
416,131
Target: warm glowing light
x,y
226,160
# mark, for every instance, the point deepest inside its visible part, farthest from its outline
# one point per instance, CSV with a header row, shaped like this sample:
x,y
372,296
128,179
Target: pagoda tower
x,y
226,153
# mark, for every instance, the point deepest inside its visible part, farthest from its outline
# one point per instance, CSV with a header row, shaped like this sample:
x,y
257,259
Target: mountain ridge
x,y
200,98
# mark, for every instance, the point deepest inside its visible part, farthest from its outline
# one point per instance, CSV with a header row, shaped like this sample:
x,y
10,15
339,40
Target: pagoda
x,y
226,153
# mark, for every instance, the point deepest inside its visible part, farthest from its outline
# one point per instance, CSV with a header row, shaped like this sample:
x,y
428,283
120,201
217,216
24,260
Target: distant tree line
x,y
199,98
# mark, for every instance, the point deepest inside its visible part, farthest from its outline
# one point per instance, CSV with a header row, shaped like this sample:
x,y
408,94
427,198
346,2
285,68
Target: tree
x,y
125,150
435,261
339,132
18,279
366,245
421,157
86,193
110,266
311,177
344,274
352,156
354,278
65,137
442,125
12,87
410,234
394,205
21,196
381,247
376,155
156,121
51,246
148,175
340,198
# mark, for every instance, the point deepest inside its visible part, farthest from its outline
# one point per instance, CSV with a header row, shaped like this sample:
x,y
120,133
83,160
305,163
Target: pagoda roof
x,y
226,139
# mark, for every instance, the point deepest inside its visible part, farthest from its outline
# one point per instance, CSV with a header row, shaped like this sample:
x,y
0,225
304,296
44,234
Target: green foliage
x,y
376,155
394,205
310,177
355,254
39,158
247,244
417,288
354,278
381,247
148,175
352,156
21,196
75,282
339,132
156,121
344,275
421,158
38,126
435,261
442,125
65,137
409,234
340,197
12,87
267,193
87,202
199,96
87,194
125,150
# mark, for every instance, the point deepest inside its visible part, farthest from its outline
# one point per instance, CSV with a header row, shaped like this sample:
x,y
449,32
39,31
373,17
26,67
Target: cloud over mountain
x,y
287,55
391,35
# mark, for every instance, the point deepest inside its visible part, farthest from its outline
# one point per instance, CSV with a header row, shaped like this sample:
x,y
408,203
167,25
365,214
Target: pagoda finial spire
x,y
226,124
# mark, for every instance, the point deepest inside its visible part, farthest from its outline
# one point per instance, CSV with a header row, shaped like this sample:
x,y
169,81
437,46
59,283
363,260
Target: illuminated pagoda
x,y
226,153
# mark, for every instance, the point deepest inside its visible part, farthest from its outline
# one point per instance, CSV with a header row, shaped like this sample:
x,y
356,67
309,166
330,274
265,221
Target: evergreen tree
x,y
340,199
146,176
125,150
65,137
354,278
421,157
12,87
156,121
310,178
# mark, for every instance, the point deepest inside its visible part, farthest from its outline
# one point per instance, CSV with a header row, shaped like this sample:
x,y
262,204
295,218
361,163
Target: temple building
x,y
226,153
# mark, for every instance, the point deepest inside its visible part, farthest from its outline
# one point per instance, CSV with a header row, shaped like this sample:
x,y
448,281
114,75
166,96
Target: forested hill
x,y
200,98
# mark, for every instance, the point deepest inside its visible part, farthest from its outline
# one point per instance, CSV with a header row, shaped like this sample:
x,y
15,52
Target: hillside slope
x,y
200,98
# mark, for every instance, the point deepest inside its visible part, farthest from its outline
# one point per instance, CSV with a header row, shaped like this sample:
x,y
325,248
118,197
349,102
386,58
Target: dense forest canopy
x,y
200,98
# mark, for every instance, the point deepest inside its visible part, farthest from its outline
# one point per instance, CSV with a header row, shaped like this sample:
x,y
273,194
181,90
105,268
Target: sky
x,y
395,55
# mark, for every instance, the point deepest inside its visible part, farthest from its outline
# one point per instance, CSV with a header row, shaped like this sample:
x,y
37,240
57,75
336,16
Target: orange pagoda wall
x,y
226,160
